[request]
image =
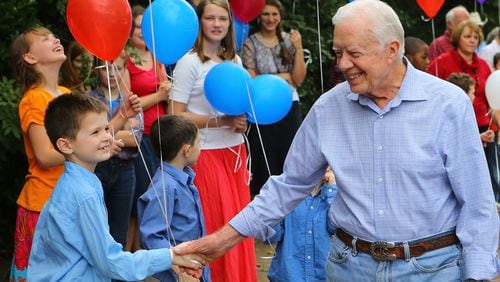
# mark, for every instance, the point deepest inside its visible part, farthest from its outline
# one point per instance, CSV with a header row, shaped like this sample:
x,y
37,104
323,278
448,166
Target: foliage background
x,y
300,14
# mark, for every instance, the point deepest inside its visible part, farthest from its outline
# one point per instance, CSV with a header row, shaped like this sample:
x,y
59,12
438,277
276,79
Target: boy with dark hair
x,y
72,241
417,52
170,211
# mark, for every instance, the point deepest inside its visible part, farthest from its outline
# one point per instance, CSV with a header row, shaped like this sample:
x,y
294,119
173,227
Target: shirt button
x,y
311,207
308,257
381,116
379,148
380,180
310,232
380,212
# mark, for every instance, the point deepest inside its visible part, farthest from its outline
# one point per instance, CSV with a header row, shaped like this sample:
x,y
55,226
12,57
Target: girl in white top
x,y
221,176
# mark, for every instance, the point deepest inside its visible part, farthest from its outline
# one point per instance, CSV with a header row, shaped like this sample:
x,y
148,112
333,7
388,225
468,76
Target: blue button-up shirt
x,y
170,213
72,240
411,170
304,239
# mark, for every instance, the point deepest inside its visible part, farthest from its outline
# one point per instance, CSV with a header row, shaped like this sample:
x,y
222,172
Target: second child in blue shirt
x,y
303,237
170,211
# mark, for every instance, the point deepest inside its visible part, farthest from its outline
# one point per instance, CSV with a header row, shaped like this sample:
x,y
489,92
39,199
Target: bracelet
x,y
121,114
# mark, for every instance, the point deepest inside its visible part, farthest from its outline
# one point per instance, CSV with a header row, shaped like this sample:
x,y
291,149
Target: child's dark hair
x,y
496,58
412,45
175,132
64,115
461,80
26,75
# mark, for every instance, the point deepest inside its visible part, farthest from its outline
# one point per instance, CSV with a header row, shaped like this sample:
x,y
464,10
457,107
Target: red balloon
x,y
430,7
247,10
100,26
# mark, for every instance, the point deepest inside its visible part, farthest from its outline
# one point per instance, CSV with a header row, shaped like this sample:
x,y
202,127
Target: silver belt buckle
x,y
378,251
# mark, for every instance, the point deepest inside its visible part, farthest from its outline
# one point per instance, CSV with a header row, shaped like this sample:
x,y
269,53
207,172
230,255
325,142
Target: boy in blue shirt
x,y
170,211
303,237
72,240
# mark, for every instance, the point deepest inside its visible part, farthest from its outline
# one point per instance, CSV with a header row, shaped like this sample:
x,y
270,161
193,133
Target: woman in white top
x,y
221,175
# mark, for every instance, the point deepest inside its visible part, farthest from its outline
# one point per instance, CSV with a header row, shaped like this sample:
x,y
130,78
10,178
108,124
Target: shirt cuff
x,y
250,226
160,259
481,265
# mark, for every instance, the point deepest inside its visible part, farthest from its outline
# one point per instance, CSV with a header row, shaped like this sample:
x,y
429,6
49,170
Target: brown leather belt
x,y
387,251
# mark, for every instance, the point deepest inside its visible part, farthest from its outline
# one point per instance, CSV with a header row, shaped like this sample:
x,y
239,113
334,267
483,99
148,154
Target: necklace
x,y
267,41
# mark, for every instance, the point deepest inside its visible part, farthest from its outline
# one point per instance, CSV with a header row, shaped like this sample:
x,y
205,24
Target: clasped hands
x,y
209,248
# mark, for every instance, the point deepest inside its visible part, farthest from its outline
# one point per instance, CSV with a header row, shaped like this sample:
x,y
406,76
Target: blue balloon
x,y
241,30
271,99
227,87
175,26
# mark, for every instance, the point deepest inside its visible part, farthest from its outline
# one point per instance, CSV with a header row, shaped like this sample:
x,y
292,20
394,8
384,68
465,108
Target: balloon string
x,y
319,46
435,45
109,95
249,159
156,70
258,129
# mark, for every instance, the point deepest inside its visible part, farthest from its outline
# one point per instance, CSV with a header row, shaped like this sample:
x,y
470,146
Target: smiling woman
x,y
272,51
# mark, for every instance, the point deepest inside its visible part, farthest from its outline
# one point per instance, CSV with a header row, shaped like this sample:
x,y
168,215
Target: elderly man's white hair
x,y
385,26
450,16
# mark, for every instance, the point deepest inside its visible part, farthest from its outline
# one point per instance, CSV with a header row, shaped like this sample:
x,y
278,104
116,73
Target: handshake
x,y
192,256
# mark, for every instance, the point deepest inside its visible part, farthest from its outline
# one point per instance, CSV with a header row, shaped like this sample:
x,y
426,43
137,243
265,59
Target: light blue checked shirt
x,y
411,170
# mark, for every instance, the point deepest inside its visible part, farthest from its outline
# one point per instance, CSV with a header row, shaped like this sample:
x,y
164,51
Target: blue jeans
x,y
118,181
343,264
152,162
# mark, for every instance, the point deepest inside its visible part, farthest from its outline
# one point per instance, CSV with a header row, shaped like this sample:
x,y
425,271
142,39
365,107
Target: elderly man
x,y
489,51
414,200
442,44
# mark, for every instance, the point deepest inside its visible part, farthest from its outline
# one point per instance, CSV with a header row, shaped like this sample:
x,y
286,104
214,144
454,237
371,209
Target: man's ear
x,y
28,58
64,145
394,47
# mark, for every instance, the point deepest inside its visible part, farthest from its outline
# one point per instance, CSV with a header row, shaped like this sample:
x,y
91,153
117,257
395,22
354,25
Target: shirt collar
x,y
185,176
326,190
74,168
410,90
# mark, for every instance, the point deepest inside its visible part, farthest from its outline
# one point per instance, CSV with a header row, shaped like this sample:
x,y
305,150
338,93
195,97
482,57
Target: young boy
x,y
72,241
170,211
417,52
304,237
467,84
